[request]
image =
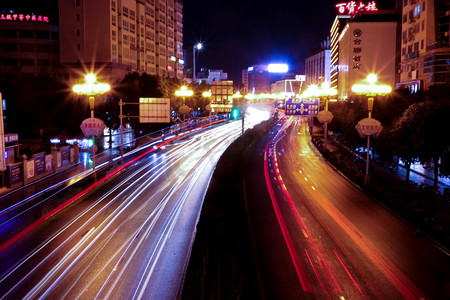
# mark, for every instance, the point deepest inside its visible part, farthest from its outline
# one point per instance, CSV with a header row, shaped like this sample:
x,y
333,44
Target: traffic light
x,y
235,113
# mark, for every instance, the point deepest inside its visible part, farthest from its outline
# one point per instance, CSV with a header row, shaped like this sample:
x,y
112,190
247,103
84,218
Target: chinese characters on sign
x,y
302,107
22,17
357,49
353,7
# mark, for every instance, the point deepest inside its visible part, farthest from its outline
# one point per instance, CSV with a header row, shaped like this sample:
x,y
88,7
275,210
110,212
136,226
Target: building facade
x,y
318,65
29,46
425,48
339,22
364,50
221,96
121,36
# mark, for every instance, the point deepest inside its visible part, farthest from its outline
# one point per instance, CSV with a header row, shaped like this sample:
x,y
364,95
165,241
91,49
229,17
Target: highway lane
x,y
338,242
127,239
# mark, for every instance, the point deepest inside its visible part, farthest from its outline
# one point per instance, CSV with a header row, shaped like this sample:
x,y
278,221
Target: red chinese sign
x,y
369,127
24,18
352,7
92,126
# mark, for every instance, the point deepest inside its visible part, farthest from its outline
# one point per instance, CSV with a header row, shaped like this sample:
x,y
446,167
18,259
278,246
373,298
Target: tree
x,y
406,135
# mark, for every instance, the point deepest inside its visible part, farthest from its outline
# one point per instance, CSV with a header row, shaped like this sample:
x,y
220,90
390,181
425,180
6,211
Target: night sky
x,y
240,33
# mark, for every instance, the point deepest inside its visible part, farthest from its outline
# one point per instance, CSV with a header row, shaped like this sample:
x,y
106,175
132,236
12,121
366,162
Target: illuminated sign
x,y
300,77
302,107
24,18
181,61
277,68
352,7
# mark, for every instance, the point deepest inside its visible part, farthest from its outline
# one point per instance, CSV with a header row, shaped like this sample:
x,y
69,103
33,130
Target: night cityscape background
x,y
170,149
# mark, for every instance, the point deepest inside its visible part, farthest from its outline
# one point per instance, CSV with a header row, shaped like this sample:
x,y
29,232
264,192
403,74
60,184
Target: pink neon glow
x,y
348,273
22,17
287,237
352,7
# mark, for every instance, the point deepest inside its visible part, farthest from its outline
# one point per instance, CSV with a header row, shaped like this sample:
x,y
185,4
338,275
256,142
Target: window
x,y
10,62
113,35
417,10
77,3
78,47
132,28
9,33
78,32
26,34
125,25
423,25
403,51
132,15
27,48
55,36
421,44
405,18
423,6
405,2
113,5
125,39
43,62
125,11
113,20
10,48
42,35
43,48
27,62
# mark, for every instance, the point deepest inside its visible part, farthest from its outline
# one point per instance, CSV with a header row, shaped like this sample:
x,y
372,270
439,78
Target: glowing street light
x,y
323,91
91,88
369,126
197,47
184,92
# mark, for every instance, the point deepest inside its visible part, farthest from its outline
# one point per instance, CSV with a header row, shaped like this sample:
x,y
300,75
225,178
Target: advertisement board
x,y
65,155
14,173
39,163
154,110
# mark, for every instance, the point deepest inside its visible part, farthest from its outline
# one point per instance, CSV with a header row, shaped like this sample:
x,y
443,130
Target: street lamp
x,y
369,126
184,92
323,91
198,47
91,88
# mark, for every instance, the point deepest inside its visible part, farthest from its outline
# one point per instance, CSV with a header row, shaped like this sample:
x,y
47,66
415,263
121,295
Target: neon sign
x,y
24,18
352,7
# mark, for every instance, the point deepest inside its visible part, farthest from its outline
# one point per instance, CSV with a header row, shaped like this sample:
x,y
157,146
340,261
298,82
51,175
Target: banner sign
x,y
65,155
302,107
39,162
15,173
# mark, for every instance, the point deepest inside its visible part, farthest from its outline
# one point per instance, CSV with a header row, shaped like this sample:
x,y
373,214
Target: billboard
x,y
302,107
154,110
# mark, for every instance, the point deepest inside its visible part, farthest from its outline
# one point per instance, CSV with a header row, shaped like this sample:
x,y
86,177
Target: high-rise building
x,y
425,48
29,46
339,22
318,65
120,36
368,44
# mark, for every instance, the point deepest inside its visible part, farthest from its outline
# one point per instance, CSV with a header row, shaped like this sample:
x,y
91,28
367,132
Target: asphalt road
x,y
318,236
129,238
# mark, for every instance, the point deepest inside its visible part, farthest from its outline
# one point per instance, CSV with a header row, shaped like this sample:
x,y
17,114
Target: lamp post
x,y
198,47
184,92
91,88
324,116
369,126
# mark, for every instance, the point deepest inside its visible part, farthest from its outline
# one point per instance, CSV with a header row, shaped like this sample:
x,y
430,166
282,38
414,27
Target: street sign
x,y
325,116
302,107
369,127
92,126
